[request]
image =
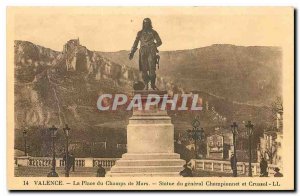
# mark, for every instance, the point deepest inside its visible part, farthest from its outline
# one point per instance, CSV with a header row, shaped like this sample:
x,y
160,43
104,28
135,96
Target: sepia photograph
x,y
150,98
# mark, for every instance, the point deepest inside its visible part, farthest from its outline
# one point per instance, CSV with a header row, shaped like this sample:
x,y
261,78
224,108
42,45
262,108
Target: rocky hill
x,y
50,82
250,75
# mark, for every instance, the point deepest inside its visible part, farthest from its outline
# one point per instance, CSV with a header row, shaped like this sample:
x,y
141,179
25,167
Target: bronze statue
x,y
148,53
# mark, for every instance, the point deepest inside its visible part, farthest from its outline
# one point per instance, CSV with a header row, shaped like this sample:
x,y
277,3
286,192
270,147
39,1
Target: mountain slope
x,y
61,87
243,74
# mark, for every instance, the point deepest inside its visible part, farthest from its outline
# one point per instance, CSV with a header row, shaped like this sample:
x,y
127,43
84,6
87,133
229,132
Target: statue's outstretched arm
x,y
135,43
134,47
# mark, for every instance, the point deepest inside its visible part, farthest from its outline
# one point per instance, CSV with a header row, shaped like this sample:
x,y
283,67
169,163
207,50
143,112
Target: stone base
x,y
150,143
151,164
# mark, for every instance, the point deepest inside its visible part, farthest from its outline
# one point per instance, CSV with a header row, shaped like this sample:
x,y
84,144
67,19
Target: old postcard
x,y
160,98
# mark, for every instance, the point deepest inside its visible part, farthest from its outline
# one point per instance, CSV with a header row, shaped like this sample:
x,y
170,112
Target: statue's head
x,y
147,24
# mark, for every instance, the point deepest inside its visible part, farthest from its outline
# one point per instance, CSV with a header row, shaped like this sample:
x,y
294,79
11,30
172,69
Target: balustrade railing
x,y
198,164
79,162
225,166
106,163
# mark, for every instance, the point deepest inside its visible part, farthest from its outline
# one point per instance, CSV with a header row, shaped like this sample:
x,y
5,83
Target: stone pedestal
x,y
150,144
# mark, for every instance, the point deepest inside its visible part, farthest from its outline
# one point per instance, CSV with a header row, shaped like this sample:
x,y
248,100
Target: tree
x,y
276,106
271,152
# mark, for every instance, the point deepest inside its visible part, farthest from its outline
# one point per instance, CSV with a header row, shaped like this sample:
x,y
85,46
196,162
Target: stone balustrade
x,y
79,162
106,163
225,167
198,164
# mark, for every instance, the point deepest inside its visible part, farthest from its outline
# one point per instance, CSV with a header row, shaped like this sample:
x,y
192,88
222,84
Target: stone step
x,y
150,156
145,169
154,162
158,174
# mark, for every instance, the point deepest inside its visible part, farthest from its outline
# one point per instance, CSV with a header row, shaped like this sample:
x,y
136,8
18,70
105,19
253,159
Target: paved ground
x,y
91,172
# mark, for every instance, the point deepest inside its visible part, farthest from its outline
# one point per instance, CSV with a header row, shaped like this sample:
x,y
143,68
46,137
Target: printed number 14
x,y
25,183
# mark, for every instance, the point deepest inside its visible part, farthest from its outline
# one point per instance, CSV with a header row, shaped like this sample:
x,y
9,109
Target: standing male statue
x,y
148,57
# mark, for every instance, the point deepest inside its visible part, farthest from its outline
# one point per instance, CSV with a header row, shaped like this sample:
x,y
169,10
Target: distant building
x,y
122,148
278,157
215,148
220,145
242,150
107,143
270,146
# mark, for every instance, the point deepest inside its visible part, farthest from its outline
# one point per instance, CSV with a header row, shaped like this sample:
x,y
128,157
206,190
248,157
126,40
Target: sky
x,y
114,29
